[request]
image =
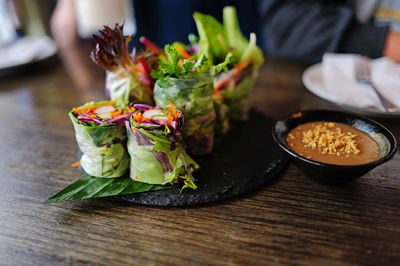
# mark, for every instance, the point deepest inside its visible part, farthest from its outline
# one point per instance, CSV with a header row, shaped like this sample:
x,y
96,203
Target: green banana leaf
x,y
88,186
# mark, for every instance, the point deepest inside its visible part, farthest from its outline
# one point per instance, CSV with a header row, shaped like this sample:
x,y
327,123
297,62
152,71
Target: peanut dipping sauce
x,y
333,143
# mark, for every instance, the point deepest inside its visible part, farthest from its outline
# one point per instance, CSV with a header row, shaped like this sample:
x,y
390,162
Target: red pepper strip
x,y
151,45
204,118
146,70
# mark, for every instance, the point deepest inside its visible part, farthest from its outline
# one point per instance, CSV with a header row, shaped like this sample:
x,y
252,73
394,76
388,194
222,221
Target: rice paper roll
x,y
231,94
101,136
128,74
232,88
221,106
156,147
239,106
193,95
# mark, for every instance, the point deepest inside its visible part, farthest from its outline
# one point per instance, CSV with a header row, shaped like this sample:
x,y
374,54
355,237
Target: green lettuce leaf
x,y
243,48
155,159
212,33
88,186
169,66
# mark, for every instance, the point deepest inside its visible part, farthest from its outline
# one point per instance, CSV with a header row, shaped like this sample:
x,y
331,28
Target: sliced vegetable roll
x,y
128,75
232,90
232,87
156,147
188,84
193,95
101,136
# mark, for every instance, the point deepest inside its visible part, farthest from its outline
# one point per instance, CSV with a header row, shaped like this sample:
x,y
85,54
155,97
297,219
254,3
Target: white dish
x,y
313,81
26,51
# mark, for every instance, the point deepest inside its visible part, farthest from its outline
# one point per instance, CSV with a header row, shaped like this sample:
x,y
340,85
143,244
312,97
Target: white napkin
x,y
26,50
342,87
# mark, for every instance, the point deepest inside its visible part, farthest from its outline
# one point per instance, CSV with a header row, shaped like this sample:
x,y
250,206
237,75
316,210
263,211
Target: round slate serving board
x,y
245,159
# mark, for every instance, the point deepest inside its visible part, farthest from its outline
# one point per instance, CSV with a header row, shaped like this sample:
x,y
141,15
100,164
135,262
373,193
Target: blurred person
x,y
303,30
72,50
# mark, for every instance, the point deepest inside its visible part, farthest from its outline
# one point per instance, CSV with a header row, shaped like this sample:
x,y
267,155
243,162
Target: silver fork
x,y
363,75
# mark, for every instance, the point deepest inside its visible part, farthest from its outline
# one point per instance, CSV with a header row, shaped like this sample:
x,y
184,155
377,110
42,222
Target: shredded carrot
x,y
218,94
134,128
76,164
115,113
136,177
85,110
234,74
139,117
112,102
136,69
242,65
172,110
121,75
181,51
171,105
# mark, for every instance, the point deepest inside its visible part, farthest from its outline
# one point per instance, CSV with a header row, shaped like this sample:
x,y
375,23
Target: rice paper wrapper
x,y
103,147
194,97
155,159
126,89
239,106
222,124
236,98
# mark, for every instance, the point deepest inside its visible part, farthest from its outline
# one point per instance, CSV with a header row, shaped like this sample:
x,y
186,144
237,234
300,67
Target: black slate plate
x,y
245,159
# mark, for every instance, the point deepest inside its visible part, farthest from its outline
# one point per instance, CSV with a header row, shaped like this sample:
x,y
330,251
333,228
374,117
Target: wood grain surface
x,y
290,221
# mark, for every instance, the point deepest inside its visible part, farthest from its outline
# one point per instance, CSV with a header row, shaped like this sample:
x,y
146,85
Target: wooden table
x,y
291,221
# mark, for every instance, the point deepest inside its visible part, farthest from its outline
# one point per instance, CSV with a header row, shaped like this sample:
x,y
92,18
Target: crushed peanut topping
x,y
329,139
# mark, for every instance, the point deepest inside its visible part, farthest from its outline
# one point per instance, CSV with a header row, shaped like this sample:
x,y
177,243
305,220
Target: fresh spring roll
x,y
128,74
156,148
193,94
232,87
101,136
231,94
222,124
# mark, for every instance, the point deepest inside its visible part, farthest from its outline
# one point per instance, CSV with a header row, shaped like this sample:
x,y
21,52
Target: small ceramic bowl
x,y
329,173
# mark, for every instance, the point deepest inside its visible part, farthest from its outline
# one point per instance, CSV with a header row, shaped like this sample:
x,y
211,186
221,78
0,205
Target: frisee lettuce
x,y
174,65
